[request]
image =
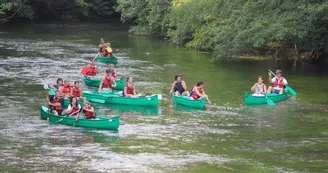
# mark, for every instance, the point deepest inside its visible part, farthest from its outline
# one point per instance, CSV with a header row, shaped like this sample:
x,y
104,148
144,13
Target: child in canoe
x,y
90,70
129,89
73,108
198,92
59,84
179,86
112,71
77,91
101,45
66,90
55,103
88,110
109,51
107,82
259,88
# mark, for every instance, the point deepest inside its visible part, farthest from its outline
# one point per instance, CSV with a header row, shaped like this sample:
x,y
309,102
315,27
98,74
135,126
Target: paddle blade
x,y
270,102
97,100
84,70
291,90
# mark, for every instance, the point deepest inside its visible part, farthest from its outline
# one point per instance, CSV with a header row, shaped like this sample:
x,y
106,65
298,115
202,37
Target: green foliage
x,y
236,27
149,16
55,9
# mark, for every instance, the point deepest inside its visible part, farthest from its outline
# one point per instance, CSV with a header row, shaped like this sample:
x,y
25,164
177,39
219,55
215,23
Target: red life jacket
x,y
74,109
107,83
92,71
66,89
195,95
101,48
129,88
114,75
89,114
279,82
76,92
57,108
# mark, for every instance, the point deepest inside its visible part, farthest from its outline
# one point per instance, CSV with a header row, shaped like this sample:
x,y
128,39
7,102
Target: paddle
x,y
86,68
269,101
289,89
67,116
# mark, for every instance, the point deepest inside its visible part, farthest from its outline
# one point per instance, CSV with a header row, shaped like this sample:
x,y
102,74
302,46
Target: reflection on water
x,y
224,137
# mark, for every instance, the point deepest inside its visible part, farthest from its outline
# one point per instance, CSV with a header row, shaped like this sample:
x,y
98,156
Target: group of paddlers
x,y
278,84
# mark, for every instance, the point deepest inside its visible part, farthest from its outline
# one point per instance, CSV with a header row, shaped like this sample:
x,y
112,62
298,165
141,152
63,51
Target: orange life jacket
x,y
107,83
92,71
56,100
195,95
129,88
66,89
76,92
279,82
89,114
74,109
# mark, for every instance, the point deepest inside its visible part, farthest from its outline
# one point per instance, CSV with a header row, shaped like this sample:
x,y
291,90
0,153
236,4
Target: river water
x,y
227,136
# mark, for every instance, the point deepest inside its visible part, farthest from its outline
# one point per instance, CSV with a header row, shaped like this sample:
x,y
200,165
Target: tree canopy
x,y
234,27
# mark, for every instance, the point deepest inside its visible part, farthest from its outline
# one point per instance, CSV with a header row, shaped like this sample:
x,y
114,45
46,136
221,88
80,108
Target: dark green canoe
x,y
186,101
99,123
110,60
256,100
95,82
112,98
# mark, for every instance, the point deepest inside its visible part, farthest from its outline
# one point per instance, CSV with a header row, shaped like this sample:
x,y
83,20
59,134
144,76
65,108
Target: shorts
x,y
276,91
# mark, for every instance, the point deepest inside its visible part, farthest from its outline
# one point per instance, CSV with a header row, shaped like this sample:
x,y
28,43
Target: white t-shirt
x,y
69,108
277,87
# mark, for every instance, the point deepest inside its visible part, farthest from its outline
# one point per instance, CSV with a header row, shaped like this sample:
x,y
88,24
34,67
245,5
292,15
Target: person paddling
x,y
55,103
109,51
129,89
278,83
59,84
112,71
66,90
107,81
259,88
88,110
179,86
73,108
198,92
92,69
76,90
101,45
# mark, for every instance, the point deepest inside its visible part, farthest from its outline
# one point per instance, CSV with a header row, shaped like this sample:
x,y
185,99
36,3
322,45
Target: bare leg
x,y
269,90
54,112
176,93
281,91
65,111
186,93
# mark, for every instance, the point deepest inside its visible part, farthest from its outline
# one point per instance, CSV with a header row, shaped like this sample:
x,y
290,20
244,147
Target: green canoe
x,y
112,98
100,123
95,82
111,60
186,101
256,100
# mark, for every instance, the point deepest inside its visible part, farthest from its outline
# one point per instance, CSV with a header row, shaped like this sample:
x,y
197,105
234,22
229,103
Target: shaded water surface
x,y
225,137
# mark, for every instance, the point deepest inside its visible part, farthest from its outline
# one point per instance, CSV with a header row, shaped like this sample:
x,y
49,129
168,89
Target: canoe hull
x,y
110,98
111,60
257,100
186,101
102,123
95,82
